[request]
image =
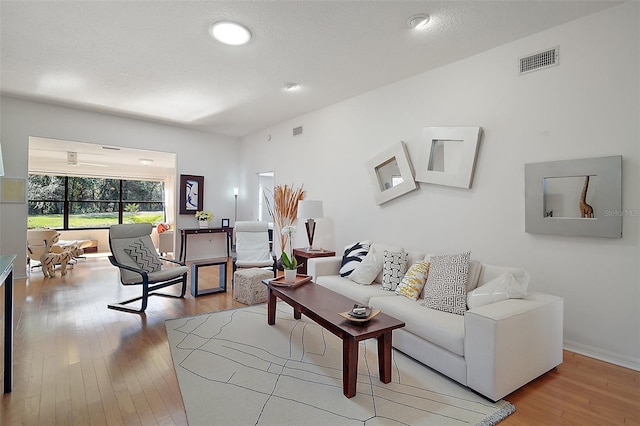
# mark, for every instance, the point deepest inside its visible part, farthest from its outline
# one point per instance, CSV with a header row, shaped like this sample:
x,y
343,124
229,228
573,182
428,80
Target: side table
x,y
302,255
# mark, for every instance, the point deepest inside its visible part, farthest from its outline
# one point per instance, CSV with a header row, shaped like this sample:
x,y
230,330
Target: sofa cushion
x,y
393,269
413,281
475,268
440,328
367,271
446,285
353,255
359,293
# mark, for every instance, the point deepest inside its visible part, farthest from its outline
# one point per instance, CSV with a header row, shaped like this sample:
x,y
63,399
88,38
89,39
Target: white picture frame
x,y
448,155
391,173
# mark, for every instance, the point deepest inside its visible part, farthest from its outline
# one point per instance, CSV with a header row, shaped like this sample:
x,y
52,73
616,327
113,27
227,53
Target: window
x,y
68,202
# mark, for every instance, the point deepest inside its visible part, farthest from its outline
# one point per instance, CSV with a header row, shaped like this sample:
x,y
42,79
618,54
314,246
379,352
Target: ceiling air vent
x,y
540,60
297,131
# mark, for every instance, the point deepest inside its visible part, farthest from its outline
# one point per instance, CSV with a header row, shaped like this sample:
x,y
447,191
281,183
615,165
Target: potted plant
x,y
284,210
204,217
289,262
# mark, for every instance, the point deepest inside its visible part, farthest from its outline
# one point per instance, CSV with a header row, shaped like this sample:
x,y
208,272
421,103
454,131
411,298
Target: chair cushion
x,y
144,258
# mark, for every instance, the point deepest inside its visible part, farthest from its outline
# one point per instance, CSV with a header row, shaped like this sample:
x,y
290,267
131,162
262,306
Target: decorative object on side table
x,y
204,217
310,210
289,263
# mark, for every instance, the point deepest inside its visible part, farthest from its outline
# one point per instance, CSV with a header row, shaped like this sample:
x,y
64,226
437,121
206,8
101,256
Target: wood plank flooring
x,y
79,363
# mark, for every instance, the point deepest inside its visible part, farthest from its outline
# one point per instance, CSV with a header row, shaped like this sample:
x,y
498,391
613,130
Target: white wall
x,y
212,156
588,106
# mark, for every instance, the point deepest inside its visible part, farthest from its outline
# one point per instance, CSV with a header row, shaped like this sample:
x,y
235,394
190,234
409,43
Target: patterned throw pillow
x,y
446,285
394,266
352,257
145,258
413,282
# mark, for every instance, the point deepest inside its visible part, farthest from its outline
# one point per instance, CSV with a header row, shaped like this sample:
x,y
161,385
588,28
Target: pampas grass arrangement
x,y
285,208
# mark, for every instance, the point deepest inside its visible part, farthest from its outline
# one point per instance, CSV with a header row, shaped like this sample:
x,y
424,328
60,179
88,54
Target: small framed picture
x,y
225,223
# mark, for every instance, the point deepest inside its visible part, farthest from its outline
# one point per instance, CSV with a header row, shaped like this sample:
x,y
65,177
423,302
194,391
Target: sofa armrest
x,y
509,343
319,266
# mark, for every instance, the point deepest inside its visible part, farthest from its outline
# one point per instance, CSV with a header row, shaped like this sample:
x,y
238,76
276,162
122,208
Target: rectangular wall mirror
x,y
574,197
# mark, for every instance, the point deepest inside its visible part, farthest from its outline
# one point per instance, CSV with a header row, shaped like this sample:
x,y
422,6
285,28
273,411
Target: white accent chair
x,y
252,246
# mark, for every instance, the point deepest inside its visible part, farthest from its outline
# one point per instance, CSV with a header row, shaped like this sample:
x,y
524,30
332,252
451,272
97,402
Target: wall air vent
x,y
297,131
540,60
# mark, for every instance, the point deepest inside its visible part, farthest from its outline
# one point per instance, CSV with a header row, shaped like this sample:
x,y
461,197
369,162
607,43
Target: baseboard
x,y
603,355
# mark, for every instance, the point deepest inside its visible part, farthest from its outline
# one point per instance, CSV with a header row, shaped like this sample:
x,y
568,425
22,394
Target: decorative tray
x,y
300,279
363,317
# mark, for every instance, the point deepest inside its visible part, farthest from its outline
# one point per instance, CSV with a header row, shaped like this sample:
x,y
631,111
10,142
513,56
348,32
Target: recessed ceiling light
x,y
418,21
228,32
289,86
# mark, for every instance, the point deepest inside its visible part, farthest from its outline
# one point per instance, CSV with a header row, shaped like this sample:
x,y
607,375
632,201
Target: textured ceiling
x,y
155,59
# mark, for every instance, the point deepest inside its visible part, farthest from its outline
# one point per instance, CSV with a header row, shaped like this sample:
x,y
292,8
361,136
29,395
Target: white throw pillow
x,y
368,269
505,286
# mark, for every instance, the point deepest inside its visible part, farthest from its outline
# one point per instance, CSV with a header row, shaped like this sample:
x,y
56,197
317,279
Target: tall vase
x,y
203,224
290,276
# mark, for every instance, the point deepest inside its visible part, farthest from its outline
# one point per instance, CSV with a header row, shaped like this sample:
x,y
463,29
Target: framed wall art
x,y
225,223
448,155
191,194
12,190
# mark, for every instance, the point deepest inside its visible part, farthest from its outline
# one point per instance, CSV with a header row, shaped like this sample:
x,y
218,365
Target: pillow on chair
x,y
146,259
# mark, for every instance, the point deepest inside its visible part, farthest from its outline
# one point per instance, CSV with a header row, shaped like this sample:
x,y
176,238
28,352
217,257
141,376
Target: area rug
x,y
234,369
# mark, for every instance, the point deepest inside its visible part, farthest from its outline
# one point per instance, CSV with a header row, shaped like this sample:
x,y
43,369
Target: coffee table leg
x,y
296,313
384,357
271,307
349,367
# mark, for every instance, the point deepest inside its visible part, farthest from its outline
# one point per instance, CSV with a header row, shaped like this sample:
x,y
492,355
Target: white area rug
x,y
234,369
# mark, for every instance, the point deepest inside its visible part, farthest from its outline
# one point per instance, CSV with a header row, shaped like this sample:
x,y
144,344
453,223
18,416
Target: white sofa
x,y
493,349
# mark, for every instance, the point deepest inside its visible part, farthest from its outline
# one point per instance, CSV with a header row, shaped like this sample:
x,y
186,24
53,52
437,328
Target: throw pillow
x,y
144,258
353,255
394,266
505,286
368,269
446,285
413,282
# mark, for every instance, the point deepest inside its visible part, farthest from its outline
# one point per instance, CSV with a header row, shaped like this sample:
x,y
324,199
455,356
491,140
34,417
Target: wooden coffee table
x,y
323,306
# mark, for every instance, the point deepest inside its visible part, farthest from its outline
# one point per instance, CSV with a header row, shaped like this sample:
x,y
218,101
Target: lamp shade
x,y
310,209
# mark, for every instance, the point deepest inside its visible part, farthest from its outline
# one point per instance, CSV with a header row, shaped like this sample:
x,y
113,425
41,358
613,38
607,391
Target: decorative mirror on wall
x,y
391,173
448,155
574,197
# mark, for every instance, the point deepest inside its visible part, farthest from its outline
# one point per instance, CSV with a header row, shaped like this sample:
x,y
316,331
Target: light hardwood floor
x,y
79,363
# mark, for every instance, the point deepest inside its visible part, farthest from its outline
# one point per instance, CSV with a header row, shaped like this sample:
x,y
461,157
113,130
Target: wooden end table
x,y
302,255
323,306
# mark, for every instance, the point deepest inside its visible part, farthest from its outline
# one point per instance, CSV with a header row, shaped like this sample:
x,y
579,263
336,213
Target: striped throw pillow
x,y
353,255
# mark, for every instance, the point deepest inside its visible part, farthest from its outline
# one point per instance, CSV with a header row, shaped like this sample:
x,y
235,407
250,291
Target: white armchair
x,y
252,246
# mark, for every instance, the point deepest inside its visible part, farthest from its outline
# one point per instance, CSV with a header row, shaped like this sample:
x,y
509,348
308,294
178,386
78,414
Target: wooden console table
x,y
6,279
302,255
185,232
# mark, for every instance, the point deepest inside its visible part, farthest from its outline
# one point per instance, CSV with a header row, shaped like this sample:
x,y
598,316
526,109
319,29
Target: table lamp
x,y
310,210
